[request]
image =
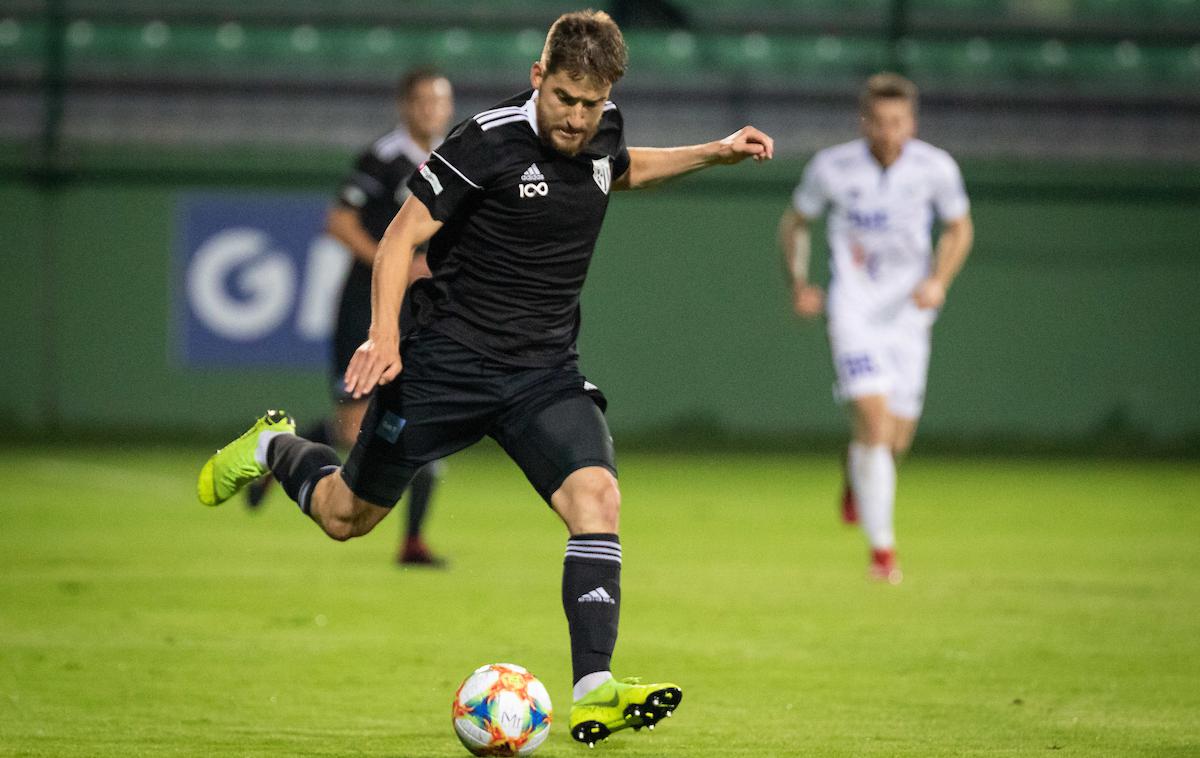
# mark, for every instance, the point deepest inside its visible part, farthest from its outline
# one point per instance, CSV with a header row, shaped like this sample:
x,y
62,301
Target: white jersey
x,y
880,223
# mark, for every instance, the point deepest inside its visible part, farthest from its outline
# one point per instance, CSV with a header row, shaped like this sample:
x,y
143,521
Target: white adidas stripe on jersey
x,y
452,168
495,113
502,121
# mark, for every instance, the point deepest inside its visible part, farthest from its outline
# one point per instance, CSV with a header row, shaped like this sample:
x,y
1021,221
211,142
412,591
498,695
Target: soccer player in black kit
x,y
511,205
368,200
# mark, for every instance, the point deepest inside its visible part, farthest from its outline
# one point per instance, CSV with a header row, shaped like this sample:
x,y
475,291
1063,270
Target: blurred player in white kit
x,y
883,192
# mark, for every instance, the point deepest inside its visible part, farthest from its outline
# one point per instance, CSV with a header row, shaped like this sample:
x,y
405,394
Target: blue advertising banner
x,y
257,280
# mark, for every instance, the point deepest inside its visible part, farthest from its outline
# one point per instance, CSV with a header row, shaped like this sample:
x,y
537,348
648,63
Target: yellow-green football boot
x,y
623,704
233,466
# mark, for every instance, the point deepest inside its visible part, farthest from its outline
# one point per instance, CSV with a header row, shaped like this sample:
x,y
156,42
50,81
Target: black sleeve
x,y
460,167
621,154
369,181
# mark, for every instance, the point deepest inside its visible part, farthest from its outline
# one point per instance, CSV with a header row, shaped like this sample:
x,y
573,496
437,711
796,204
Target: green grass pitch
x,y
1049,608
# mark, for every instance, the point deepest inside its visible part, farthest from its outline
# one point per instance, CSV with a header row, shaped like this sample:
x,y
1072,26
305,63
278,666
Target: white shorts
x,y
889,358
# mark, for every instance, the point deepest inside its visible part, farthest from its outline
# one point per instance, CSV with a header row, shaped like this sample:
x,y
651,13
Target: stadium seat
x,y
808,18
977,64
821,62
22,45
664,54
1123,69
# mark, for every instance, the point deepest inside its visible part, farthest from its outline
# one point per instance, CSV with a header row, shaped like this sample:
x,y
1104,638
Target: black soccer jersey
x,y
520,222
375,190
377,187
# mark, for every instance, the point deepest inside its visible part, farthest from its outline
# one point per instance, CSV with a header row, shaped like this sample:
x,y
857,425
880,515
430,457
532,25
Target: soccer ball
x,y
502,709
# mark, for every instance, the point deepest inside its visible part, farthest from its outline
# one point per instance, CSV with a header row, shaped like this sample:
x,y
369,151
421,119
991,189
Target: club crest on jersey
x,y
602,173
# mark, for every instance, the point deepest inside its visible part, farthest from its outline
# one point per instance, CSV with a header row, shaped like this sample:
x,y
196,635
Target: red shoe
x,y
416,552
884,568
849,505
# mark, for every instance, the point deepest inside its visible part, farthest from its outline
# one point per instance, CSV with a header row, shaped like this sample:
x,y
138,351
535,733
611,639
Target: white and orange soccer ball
x,y
502,709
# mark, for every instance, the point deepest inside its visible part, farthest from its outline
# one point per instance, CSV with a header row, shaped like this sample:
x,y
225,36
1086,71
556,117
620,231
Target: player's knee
x,y
874,433
589,501
875,428
609,502
349,520
601,501
339,529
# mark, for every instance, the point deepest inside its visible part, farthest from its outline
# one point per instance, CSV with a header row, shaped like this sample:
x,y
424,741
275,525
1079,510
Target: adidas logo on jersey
x,y
532,174
598,595
533,183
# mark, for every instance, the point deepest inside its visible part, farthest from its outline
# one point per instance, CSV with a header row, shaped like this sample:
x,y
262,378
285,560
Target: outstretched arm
x,y
651,165
377,361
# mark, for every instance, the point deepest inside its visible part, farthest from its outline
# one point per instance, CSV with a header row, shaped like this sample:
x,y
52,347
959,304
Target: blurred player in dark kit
x,y
367,202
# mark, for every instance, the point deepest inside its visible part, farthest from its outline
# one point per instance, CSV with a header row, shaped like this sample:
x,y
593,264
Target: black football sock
x,y
319,432
420,491
591,595
298,464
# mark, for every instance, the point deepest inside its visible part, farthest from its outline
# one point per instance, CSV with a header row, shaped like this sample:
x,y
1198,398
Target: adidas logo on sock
x,y
532,174
598,595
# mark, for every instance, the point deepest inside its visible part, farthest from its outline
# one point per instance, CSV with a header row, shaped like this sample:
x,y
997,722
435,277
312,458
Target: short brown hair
x,y
414,76
586,44
887,86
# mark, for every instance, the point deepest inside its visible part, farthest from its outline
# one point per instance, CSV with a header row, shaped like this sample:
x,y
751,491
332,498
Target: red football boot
x,y
884,568
416,552
849,505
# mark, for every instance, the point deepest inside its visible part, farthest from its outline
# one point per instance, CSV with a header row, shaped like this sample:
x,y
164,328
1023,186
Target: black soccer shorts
x,y
550,421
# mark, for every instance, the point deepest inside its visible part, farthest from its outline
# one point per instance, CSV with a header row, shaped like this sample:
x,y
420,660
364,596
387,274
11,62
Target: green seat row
x,y
302,51
308,53
466,10
679,54
977,9
1059,10
1120,69
786,14
1133,16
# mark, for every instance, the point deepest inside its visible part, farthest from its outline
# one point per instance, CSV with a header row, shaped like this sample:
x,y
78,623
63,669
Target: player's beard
x,y
569,149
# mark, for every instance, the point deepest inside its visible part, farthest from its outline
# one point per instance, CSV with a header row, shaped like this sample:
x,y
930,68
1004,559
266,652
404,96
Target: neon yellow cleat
x,y
617,705
233,466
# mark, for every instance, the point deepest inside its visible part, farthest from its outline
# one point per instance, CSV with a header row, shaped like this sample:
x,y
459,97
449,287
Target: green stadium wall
x,y
1074,323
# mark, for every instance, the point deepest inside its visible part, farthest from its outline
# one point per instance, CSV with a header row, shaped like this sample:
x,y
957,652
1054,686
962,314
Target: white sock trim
x,y
590,682
264,441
